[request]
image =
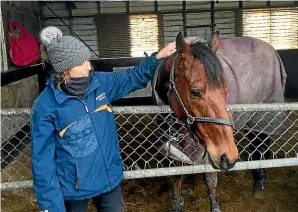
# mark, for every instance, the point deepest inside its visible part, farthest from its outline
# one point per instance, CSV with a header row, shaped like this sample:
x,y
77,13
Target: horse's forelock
x,y
212,64
200,51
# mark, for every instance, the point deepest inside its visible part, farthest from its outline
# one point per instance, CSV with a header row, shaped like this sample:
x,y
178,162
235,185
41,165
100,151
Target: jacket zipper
x,y
86,108
77,182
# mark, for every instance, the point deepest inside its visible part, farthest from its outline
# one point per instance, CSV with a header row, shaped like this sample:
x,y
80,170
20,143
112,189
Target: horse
x,y
198,82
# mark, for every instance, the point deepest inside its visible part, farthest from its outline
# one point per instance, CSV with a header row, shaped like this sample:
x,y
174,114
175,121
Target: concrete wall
x,y
20,94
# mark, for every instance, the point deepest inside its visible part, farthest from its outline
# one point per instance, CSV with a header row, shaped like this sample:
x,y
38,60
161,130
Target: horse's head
x,y
197,95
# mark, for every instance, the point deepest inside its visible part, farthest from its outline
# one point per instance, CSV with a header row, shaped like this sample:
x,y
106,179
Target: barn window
x,y
124,35
277,26
143,34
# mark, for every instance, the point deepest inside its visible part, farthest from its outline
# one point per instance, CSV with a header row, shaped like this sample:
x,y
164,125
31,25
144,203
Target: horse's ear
x,y
215,42
181,45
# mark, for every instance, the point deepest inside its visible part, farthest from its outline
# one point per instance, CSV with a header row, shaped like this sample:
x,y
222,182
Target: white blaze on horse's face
x,y
203,91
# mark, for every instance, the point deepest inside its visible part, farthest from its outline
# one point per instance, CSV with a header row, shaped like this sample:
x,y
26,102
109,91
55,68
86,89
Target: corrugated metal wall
x,y
87,29
113,35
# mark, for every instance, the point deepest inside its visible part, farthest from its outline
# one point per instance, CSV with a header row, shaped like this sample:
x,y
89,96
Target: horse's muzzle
x,y
226,164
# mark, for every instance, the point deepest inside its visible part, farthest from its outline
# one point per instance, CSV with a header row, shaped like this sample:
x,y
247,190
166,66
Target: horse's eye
x,y
195,93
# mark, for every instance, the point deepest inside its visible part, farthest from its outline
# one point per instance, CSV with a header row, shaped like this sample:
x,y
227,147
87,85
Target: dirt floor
x,y
234,193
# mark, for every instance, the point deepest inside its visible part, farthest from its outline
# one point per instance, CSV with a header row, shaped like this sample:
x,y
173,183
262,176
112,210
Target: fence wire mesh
x,y
151,138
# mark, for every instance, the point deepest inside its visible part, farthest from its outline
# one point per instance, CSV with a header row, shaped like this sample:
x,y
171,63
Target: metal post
x,y
268,3
99,8
70,19
3,56
41,14
184,19
156,6
238,17
212,16
241,5
127,7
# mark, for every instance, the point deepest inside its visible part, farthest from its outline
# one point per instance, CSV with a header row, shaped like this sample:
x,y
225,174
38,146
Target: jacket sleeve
x,y
121,83
45,182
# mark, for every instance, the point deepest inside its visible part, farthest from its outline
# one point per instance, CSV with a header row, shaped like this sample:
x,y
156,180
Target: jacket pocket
x,y
79,138
67,175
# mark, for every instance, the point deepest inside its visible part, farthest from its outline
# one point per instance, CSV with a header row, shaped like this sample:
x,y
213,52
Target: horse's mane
x,y
212,64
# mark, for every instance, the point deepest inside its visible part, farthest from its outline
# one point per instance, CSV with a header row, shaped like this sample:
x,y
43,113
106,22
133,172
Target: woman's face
x,y
81,70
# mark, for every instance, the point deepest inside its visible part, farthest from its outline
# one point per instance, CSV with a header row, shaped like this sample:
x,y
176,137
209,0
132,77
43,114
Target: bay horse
x,y
198,82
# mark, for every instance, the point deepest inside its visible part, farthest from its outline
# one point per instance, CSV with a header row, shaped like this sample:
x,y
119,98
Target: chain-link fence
x,y
154,143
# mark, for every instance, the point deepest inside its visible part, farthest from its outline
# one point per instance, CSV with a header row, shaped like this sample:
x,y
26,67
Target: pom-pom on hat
x,y
64,52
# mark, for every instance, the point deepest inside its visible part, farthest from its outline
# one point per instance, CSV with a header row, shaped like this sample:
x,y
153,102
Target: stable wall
x,y
20,94
83,21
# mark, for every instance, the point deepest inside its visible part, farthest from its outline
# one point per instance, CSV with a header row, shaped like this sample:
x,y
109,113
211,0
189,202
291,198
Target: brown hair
x,y
61,79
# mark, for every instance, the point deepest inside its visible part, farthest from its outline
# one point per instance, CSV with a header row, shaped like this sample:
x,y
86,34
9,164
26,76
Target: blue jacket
x,y
75,149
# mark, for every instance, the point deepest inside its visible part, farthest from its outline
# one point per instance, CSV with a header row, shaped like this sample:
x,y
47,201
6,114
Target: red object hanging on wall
x,y
24,47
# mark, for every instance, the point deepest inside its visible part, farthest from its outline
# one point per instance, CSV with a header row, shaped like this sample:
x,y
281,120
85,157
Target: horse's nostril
x,y
225,163
224,158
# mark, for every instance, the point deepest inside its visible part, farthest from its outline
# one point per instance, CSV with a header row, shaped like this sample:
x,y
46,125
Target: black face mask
x,y
77,86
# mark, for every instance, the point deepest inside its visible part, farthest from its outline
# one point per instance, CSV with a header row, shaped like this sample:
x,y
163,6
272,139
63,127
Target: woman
x,y
75,150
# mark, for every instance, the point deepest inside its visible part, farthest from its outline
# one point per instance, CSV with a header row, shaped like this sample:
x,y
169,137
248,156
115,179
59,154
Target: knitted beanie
x,y
63,52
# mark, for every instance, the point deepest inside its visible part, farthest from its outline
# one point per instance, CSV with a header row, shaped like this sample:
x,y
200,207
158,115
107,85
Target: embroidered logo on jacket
x,y
101,96
79,139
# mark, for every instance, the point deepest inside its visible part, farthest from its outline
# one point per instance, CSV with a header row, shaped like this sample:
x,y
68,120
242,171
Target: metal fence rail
x,y
143,131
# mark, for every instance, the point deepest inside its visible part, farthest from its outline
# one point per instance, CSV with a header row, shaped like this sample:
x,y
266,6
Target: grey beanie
x,y
64,52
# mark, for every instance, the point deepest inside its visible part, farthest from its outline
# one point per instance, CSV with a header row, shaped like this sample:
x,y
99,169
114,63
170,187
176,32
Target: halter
x,y
190,120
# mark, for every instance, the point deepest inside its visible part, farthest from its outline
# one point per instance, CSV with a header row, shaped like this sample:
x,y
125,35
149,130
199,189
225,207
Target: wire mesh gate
x,y
144,130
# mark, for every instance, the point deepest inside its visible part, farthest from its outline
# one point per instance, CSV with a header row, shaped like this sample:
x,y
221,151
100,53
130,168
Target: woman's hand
x,y
168,50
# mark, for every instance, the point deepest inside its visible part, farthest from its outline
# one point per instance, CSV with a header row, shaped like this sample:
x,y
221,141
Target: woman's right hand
x,y
167,51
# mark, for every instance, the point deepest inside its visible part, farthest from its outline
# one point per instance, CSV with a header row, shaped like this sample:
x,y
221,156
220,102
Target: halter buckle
x,y
190,120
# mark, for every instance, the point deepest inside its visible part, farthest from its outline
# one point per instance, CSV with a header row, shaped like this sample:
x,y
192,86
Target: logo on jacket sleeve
x,y
101,96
